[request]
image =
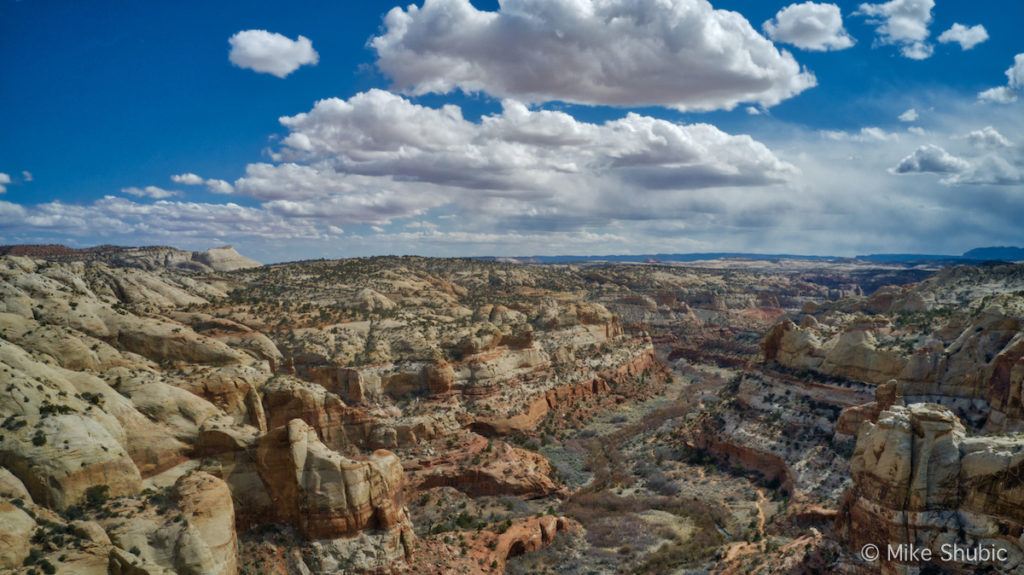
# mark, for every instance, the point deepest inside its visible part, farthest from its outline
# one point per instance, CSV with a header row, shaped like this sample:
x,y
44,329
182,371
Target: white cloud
x,y
682,54
150,192
214,185
524,157
931,159
114,216
523,181
377,157
988,137
1014,83
4,181
188,179
271,53
1000,95
866,134
810,26
910,115
902,23
219,186
990,170
1015,73
967,37
11,213
26,176
754,111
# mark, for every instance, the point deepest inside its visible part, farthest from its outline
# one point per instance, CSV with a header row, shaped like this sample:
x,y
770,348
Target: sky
x,y
513,128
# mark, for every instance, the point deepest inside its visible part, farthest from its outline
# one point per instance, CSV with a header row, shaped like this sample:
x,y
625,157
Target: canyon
x,y
166,411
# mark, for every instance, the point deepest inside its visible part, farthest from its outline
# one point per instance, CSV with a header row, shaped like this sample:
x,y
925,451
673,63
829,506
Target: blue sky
x,y
98,101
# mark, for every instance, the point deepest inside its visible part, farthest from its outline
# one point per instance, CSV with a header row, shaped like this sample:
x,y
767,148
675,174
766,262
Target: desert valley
x,y
166,411
524,287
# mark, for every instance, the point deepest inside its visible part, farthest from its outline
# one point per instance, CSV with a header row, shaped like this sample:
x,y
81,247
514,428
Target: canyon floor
x,y
194,412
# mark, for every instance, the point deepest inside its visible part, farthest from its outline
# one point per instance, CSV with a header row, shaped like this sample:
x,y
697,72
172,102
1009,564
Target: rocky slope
x,y
179,412
937,451
955,339
131,382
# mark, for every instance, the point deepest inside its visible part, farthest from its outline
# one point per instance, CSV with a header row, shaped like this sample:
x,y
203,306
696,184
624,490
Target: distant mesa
x,y
993,253
220,259
1005,253
1009,254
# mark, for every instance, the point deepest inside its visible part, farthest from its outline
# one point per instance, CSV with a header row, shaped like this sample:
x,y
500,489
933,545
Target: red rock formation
x,y
339,426
324,494
567,396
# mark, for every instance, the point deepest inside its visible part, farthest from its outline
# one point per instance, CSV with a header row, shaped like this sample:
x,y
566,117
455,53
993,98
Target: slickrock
x,y
918,479
188,530
64,456
16,529
224,259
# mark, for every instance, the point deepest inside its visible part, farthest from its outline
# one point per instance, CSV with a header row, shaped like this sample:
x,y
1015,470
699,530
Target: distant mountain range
x,y
994,253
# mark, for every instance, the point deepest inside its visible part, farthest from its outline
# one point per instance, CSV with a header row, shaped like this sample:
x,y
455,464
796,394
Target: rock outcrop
x,y
224,259
919,480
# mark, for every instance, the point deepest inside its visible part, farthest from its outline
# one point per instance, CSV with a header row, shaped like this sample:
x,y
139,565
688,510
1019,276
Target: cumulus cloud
x,y
214,185
810,26
219,186
271,53
989,160
903,23
26,176
1015,73
682,54
5,179
1014,83
988,137
931,159
153,192
998,95
909,116
189,179
377,157
967,37
519,153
